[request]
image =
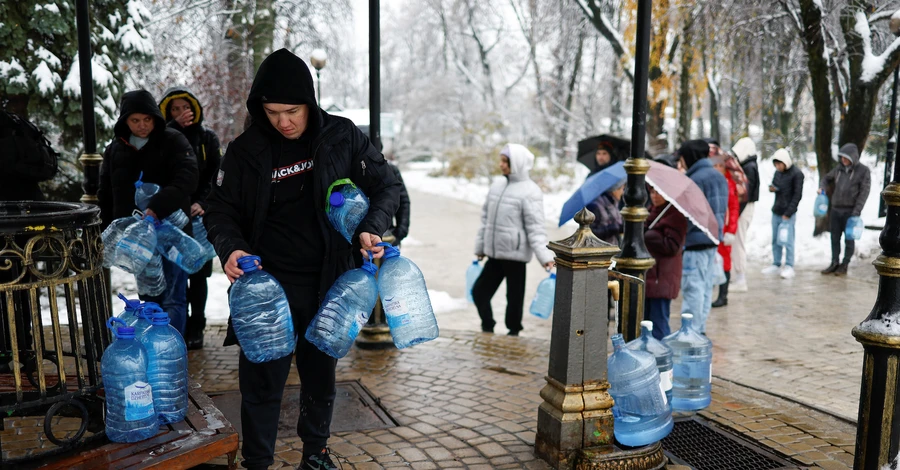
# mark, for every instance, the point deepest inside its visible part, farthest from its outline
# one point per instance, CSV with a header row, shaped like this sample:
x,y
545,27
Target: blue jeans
x,y
788,247
173,300
658,312
697,285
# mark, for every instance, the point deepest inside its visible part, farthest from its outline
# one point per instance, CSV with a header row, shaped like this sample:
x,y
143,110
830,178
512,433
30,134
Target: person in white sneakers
x,y
745,151
788,188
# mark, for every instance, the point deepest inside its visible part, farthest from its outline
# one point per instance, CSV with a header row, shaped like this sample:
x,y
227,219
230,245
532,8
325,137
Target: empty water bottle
x,y
471,276
404,297
820,207
542,305
784,233
345,310
854,228
202,237
640,411
144,192
111,236
167,371
136,246
663,354
129,313
260,314
691,365
346,208
130,416
178,247
151,281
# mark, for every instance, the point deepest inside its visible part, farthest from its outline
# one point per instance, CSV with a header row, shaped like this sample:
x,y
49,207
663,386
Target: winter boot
x,y
723,292
841,269
831,268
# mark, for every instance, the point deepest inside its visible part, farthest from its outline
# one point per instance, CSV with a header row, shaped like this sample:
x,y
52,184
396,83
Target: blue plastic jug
x,y
144,192
130,416
130,310
854,229
820,207
111,236
151,281
135,248
346,208
663,354
542,305
345,310
472,274
260,314
404,297
141,319
178,247
167,370
692,367
642,415
202,237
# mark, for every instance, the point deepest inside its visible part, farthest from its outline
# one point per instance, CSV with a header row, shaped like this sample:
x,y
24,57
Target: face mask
x,y
138,142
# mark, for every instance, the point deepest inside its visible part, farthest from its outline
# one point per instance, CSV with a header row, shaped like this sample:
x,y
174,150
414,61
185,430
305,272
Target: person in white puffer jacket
x,y
512,231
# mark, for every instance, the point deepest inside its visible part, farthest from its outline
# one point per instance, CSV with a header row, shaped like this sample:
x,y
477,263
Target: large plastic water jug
x,y
346,208
691,365
202,237
151,281
542,305
144,192
130,416
129,312
663,354
260,314
178,247
111,236
472,274
404,297
820,207
136,246
854,229
345,310
167,370
642,415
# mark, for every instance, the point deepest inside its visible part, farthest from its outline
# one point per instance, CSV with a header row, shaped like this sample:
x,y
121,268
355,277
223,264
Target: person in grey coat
x,y
848,186
512,231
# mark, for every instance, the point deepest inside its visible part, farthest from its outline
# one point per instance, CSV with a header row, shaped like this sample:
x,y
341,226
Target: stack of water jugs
x,y
648,379
144,373
137,244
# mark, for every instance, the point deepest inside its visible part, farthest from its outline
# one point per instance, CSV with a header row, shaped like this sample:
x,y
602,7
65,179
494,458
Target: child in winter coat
x,y
729,231
666,229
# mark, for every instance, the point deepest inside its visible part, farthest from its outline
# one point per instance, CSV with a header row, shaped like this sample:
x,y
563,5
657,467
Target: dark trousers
x,y
658,312
196,296
262,387
495,270
839,218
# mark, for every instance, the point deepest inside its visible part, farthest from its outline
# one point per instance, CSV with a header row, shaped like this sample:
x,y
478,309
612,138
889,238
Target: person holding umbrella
x,y
666,229
608,223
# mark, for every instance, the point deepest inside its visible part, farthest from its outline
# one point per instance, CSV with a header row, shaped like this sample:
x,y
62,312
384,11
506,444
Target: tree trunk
x,y
573,80
262,33
814,43
685,100
862,100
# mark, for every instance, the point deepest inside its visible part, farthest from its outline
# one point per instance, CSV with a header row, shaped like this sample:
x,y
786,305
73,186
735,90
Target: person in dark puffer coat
x,y
851,182
666,229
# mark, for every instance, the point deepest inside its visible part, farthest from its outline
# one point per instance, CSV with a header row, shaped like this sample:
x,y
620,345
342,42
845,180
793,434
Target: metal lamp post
x,y
90,159
891,143
318,59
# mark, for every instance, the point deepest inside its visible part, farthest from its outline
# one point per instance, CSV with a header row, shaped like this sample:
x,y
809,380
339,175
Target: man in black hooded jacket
x,y
269,200
143,143
184,113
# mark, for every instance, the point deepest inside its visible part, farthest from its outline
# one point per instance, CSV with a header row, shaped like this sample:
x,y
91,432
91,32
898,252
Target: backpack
x,y
25,153
740,179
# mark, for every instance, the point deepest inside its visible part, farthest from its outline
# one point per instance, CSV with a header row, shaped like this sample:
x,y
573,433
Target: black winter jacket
x,y
751,171
166,159
851,184
400,228
789,185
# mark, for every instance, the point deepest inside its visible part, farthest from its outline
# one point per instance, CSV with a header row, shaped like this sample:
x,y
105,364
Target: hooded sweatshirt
x,y
512,218
714,186
788,185
745,150
851,183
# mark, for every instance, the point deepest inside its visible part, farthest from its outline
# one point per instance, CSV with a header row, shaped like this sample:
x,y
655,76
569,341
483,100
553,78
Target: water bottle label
x,y
396,321
710,373
138,401
395,306
665,380
354,329
174,255
663,393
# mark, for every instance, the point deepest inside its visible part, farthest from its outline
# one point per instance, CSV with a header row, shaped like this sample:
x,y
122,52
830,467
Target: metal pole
x,y
375,73
891,144
318,87
634,259
90,159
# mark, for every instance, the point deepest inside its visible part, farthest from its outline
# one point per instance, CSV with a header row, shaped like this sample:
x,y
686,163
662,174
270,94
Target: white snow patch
x,y
443,302
132,41
886,326
48,57
13,72
137,11
47,81
893,465
102,77
872,64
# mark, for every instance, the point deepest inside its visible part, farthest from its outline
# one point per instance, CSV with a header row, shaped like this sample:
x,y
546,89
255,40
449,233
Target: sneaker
x,y
739,286
771,269
320,461
787,272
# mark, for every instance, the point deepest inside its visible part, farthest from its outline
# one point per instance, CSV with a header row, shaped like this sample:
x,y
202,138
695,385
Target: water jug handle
x,y
139,182
111,324
339,182
134,304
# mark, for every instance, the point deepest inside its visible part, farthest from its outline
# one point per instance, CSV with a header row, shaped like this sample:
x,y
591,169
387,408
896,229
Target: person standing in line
x,y
729,231
512,231
184,113
608,223
788,188
851,183
400,226
666,230
745,151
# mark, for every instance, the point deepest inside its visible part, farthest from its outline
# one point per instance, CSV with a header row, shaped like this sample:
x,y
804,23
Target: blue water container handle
x,y
369,266
248,263
390,251
131,305
122,332
139,182
552,275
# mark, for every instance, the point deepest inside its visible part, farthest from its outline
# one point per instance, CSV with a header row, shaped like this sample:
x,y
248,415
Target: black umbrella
x,y
619,149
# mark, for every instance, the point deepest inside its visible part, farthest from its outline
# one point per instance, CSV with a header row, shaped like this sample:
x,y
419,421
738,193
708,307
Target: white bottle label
x,y
173,254
665,380
138,401
394,306
710,373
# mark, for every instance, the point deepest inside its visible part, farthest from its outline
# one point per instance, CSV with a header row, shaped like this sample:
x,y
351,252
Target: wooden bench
x,y
204,435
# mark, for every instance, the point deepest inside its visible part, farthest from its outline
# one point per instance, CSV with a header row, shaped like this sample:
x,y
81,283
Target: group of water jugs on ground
x,y
145,369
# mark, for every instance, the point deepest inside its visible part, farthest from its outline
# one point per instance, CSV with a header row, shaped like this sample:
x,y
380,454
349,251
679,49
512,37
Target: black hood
x,y
693,151
184,93
138,101
283,78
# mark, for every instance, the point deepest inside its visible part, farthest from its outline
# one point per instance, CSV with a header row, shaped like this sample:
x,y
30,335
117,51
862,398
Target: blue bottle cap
x,y
552,275
248,263
125,332
336,199
160,318
475,262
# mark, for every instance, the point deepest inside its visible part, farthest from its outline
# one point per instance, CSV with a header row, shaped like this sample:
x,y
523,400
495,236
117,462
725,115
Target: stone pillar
x,y
575,422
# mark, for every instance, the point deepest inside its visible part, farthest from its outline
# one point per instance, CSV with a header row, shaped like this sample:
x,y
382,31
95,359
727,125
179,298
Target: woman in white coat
x,y
512,230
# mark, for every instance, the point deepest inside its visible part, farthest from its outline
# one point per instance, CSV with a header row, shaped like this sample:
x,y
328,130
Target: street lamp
x,y
891,144
317,59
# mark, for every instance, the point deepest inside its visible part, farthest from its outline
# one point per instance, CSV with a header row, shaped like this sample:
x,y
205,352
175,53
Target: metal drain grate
x,y
706,447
